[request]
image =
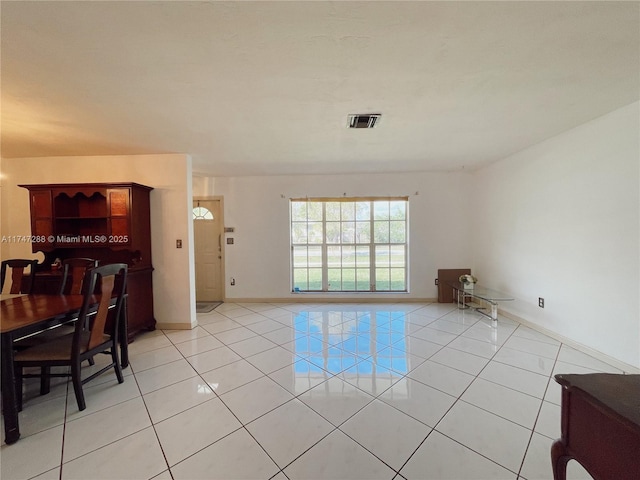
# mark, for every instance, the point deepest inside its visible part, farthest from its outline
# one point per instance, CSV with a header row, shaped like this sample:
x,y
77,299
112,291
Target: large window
x,y
349,244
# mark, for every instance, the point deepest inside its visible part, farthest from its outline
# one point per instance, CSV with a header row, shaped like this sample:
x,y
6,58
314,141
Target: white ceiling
x,y
255,88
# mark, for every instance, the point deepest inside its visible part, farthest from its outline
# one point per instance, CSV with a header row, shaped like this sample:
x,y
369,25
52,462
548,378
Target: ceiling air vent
x,y
364,120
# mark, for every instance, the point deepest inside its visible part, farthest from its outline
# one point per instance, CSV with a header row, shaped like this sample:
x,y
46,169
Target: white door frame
x,y
220,198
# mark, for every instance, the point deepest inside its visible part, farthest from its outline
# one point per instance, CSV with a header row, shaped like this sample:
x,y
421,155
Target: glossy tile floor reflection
x,y
302,391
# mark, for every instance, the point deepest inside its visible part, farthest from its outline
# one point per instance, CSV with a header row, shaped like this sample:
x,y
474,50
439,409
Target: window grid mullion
x,y
325,253
372,250
341,258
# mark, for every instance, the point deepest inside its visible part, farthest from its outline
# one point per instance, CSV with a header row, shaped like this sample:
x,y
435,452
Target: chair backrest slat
x,y
16,279
77,275
100,319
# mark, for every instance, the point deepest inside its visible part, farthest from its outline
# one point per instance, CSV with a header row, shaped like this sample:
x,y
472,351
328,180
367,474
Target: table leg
x,y
559,460
460,300
9,406
494,312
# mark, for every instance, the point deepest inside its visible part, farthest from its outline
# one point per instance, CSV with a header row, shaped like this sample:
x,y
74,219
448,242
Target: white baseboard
x,y
176,326
625,367
310,298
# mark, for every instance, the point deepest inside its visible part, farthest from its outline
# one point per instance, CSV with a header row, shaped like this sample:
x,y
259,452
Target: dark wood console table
x,y
600,426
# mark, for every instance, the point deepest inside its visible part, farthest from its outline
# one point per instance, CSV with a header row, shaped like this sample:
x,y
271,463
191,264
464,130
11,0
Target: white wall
x,y
560,220
169,175
258,209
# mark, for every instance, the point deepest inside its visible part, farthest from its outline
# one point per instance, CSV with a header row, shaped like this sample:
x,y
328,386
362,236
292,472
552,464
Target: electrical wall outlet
x,y
233,281
541,302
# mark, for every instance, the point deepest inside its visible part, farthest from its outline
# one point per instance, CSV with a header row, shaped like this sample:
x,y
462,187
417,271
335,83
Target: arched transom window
x,y
202,213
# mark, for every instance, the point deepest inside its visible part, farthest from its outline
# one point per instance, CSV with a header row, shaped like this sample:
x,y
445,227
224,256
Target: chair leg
x,y
116,362
45,380
91,361
77,385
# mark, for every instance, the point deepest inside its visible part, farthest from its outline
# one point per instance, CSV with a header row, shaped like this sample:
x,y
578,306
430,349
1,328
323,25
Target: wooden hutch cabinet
x,y
106,221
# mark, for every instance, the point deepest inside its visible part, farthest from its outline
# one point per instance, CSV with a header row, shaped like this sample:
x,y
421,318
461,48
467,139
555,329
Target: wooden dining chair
x,y
92,335
77,267
21,282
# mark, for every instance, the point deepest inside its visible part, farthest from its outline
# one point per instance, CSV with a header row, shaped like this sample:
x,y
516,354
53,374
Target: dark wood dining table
x,y
22,315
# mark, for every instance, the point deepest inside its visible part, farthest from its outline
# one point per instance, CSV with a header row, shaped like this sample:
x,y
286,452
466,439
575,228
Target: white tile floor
x,y
302,391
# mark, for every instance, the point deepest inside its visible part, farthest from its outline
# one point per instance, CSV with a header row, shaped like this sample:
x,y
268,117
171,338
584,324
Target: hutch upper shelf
x,y
85,215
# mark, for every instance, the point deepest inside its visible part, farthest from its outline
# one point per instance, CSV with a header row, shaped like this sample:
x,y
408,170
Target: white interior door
x,y
208,228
